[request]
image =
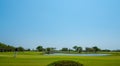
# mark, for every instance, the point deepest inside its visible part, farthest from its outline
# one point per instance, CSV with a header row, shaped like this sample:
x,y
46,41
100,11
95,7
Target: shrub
x,y
65,63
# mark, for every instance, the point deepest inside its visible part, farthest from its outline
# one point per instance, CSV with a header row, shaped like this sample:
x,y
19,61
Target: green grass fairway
x,y
37,59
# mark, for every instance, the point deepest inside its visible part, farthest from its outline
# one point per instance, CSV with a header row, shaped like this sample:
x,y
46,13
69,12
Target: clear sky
x,y
60,23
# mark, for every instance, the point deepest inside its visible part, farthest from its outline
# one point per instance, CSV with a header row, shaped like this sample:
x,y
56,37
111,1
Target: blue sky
x,y
60,23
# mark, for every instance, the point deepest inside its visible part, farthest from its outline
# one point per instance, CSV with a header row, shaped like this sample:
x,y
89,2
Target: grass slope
x,y
37,59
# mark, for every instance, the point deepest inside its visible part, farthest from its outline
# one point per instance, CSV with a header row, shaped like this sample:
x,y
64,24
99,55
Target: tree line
x,y
8,48
77,49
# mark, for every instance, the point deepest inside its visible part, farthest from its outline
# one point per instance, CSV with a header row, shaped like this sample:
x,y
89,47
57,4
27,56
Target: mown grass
x,y
38,59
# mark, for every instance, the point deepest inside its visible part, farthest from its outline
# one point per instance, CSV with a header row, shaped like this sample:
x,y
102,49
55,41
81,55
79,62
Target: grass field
x,y
37,59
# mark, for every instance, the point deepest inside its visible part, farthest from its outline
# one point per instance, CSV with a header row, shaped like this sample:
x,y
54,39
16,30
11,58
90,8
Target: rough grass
x,y
65,63
37,59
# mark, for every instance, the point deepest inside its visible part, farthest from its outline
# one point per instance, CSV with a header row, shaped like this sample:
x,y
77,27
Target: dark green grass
x,y
38,59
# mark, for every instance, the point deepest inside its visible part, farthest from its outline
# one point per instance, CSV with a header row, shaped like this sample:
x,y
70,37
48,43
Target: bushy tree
x,y
48,50
64,49
78,49
88,49
20,48
95,48
39,48
28,49
75,48
65,63
6,48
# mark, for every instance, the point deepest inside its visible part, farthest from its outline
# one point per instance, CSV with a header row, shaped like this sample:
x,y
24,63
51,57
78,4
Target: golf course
x,y
59,32
38,59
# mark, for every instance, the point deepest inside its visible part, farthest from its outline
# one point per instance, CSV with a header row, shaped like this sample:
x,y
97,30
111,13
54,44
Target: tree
x,y
64,49
89,49
48,50
28,49
79,49
20,48
6,48
106,50
40,48
95,48
75,48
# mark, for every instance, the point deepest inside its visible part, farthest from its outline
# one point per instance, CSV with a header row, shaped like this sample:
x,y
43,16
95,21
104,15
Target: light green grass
x,y
37,59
